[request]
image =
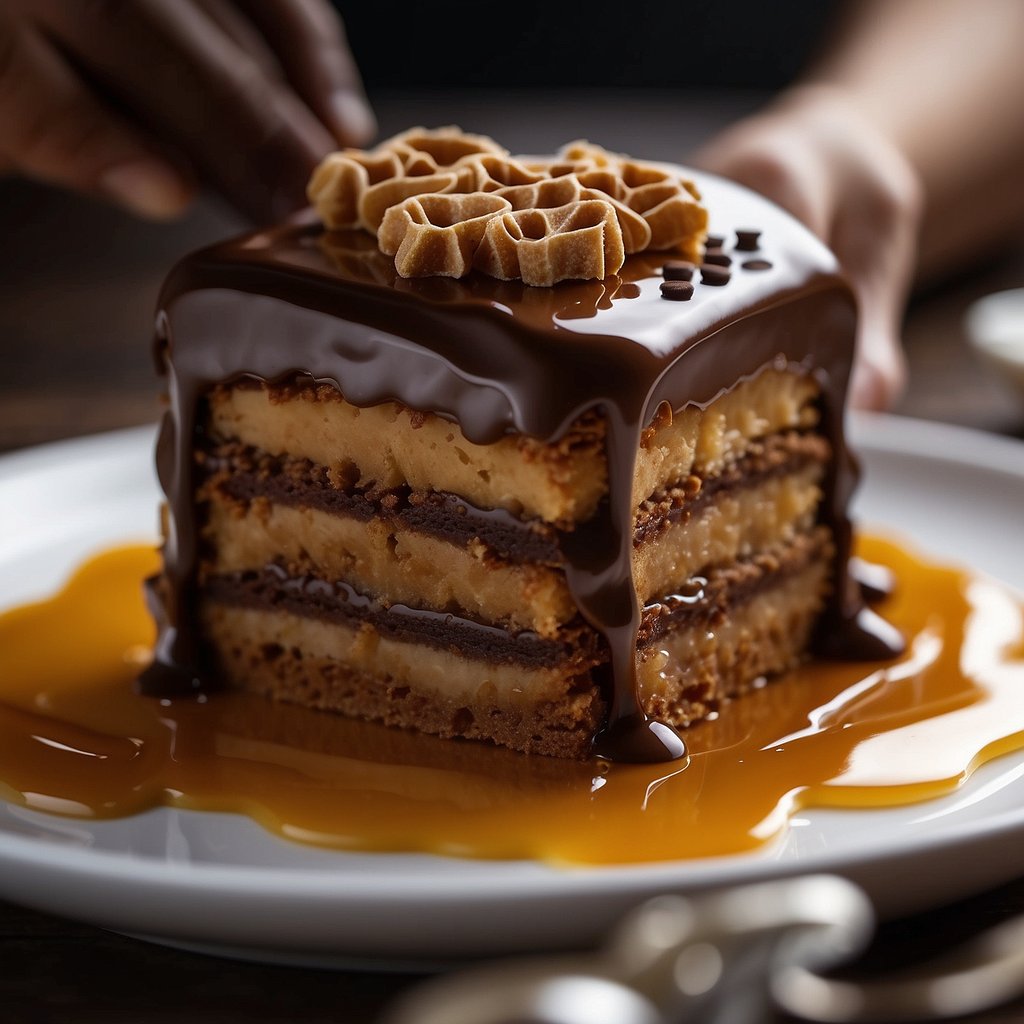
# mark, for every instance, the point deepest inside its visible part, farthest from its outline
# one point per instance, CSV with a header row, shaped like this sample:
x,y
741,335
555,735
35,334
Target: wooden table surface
x,y
77,286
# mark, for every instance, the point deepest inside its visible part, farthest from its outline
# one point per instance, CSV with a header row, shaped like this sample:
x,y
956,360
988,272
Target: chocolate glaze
x,y
876,582
498,357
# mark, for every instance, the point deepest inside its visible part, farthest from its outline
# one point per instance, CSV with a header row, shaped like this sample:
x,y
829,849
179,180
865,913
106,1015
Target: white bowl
x,y
995,327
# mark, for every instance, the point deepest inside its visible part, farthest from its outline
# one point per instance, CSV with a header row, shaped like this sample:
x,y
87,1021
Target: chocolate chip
x,y
719,259
711,273
678,270
757,265
680,291
714,242
747,239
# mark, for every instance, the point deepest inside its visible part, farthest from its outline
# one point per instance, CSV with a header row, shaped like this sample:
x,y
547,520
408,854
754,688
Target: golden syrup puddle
x,y
76,740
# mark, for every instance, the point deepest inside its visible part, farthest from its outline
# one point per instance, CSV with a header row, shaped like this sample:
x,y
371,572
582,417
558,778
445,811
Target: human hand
x,y
137,100
815,155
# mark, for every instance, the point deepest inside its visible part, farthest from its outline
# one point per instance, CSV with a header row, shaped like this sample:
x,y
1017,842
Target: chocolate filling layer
x,y
273,589
245,474
712,599
776,456
708,600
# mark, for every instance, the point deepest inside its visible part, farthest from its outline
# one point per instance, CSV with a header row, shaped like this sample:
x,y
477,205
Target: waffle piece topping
x,y
575,216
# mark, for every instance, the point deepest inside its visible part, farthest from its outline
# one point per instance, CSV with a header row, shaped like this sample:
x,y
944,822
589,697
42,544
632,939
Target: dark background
x,y
78,284
638,44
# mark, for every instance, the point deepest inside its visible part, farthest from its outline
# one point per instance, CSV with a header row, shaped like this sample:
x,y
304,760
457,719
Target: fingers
x,y
875,235
190,82
818,158
876,383
879,372
772,158
252,96
53,128
240,29
310,42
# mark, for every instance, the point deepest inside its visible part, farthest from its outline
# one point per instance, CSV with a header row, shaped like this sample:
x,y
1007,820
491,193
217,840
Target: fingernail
x,y
147,187
354,123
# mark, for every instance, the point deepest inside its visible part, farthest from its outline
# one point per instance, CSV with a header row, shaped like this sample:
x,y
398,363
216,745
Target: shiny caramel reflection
x,y
76,740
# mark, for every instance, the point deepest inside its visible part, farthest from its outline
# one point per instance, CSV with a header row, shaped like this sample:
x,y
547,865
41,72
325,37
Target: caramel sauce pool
x,y
76,740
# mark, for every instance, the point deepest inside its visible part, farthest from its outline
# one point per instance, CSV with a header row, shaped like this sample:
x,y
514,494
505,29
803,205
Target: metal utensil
x,y
730,956
982,973
706,958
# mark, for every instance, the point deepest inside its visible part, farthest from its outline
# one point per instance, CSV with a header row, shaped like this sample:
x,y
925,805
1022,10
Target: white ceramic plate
x,y
219,882
995,327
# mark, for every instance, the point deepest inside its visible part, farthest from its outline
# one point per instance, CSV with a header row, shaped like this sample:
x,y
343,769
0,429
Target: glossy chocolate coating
x,y
499,357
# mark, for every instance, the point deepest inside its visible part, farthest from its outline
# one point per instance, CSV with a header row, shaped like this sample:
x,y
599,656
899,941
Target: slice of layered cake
x,y
405,483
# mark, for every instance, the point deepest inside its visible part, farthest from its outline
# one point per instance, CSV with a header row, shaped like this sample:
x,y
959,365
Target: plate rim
x,y
884,433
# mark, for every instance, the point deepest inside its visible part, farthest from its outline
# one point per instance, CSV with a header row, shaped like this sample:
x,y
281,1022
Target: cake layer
x,y
389,445
298,660
273,588
399,565
766,500
443,671
240,475
551,710
763,501
704,602
686,673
